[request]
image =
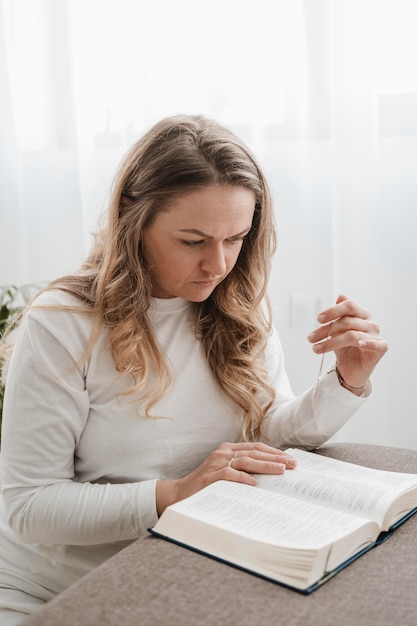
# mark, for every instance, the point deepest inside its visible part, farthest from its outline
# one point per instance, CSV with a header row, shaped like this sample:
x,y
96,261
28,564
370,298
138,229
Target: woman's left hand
x,y
348,329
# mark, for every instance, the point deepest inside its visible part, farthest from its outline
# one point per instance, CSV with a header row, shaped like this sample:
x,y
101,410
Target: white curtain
x,y
324,91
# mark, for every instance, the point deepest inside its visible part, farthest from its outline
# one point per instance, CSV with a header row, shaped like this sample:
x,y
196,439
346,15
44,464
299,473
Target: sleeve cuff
x,y
147,515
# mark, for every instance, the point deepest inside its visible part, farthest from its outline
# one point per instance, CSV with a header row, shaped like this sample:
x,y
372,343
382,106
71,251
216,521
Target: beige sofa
x,y
153,582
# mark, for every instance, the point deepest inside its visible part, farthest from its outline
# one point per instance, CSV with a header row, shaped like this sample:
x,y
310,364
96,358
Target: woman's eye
x,y
234,240
193,244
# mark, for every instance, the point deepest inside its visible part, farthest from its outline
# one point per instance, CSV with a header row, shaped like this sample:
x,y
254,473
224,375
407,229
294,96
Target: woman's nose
x,y
214,261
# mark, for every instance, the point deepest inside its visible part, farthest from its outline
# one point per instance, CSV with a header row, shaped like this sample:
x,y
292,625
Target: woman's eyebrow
x,y
200,233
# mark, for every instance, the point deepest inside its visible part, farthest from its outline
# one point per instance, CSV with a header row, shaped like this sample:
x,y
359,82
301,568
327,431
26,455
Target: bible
x,y
298,528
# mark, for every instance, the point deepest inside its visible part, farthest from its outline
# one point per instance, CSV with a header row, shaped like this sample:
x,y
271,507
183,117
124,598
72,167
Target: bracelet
x,y
345,384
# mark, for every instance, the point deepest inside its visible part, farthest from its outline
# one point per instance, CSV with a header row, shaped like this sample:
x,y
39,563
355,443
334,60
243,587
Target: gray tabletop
x,y
153,582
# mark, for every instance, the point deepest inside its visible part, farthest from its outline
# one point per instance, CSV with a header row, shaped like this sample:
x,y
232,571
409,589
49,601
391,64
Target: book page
x,y
267,517
345,486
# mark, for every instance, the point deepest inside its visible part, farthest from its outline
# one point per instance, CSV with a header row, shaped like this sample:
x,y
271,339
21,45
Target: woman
x,y
154,370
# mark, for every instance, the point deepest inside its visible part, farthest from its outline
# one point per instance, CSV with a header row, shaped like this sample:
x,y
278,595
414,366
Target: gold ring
x,y
232,459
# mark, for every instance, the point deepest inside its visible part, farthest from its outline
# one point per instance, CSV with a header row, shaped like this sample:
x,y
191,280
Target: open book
x,y
298,528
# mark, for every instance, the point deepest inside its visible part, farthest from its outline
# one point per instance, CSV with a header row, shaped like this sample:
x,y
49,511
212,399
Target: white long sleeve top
x,y
79,464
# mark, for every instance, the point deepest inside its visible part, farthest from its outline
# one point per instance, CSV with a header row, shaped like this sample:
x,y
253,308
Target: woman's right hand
x,y
237,462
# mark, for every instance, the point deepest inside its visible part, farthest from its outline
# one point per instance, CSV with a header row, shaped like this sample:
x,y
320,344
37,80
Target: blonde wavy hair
x,y
180,154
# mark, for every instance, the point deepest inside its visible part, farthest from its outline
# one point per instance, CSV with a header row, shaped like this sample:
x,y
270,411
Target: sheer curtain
x,y
324,91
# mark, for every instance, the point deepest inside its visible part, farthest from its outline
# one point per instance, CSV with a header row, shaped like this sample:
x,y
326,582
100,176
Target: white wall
x,y
375,255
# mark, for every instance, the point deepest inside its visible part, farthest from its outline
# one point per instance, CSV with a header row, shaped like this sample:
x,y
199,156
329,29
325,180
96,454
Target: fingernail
x,y
321,317
280,467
